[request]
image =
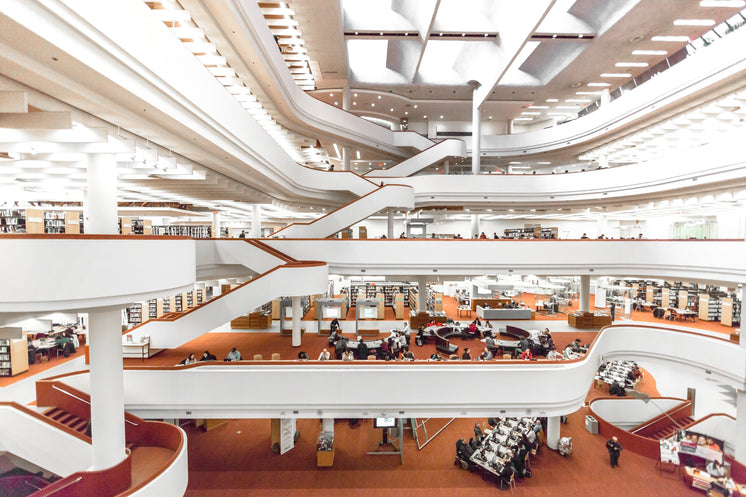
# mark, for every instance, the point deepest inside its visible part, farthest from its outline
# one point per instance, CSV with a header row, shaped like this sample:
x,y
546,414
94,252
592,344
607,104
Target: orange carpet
x,y
40,367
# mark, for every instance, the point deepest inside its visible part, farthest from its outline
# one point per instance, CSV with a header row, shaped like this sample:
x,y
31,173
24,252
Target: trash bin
x,y
591,424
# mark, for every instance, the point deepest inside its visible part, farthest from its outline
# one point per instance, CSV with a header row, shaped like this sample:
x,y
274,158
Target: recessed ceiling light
x,y
538,106
554,36
649,52
406,113
336,103
598,84
523,119
354,103
566,107
544,162
415,106
355,94
631,64
331,94
552,100
722,3
391,109
373,105
489,117
530,113
424,117
671,38
694,22
441,117
379,97
616,75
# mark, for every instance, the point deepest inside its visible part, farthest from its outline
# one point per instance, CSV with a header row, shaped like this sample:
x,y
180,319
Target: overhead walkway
x,y
399,196
452,389
426,158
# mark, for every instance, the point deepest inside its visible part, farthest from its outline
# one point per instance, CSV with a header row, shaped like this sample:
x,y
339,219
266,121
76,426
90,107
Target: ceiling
x,y
427,50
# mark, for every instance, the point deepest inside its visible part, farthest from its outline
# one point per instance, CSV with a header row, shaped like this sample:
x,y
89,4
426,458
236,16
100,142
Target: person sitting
x,y
568,353
362,350
324,355
408,356
617,389
435,357
715,469
486,355
347,355
233,355
478,433
553,355
472,331
334,337
65,344
384,351
302,356
466,356
578,348
206,356
340,348
189,360
526,355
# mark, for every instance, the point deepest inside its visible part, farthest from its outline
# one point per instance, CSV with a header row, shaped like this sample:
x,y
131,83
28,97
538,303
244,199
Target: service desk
x,y
136,349
495,314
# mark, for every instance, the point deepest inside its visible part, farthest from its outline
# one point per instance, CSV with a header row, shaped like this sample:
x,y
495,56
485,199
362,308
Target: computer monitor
x,y
331,312
369,313
384,422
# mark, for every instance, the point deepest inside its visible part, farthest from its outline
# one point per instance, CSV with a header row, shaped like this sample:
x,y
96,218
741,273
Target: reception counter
x,y
495,314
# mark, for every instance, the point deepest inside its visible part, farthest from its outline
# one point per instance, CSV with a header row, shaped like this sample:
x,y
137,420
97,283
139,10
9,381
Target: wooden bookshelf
x,y
34,221
13,356
72,222
12,220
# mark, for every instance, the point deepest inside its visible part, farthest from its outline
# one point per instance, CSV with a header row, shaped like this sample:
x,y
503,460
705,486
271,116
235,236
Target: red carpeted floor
x,y
235,459
40,367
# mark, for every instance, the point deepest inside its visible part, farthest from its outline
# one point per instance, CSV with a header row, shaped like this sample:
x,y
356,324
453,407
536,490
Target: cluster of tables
x,y
495,451
617,371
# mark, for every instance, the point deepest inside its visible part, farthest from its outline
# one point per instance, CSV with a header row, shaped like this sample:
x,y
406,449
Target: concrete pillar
x,y
216,224
421,293
256,221
447,166
605,97
295,302
327,425
107,390
100,209
509,127
603,161
553,432
216,290
585,293
346,98
476,129
475,225
740,442
345,158
390,223
602,225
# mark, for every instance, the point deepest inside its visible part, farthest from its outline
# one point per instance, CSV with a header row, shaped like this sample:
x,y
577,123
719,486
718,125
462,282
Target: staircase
x,y
67,419
670,429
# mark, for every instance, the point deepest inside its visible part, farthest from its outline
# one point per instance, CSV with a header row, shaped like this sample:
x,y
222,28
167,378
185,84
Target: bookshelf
x,y
134,314
54,222
12,221
34,221
13,356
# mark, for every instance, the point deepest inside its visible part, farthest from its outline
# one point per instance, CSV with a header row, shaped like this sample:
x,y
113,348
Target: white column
x,y
346,98
603,161
216,290
216,224
295,301
476,129
101,196
509,127
602,225
327,425
390,223
585,293
447,166
553,432
475,224
740,442
421,294
256,221
741,326
605,97
345,158
107,391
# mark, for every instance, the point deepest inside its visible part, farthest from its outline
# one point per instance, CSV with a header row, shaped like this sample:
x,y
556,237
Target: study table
x,y
701,480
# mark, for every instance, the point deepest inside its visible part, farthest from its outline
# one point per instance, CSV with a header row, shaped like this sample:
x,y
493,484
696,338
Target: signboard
x,y
700,445
287,434
669,451
600,297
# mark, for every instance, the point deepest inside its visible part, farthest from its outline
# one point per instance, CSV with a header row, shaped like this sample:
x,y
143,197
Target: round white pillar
x,y
216,224
107,391
585,293
476,129
256,221
553,432
475,225
101,195
422,294
345,158
295,305
740,442
390,223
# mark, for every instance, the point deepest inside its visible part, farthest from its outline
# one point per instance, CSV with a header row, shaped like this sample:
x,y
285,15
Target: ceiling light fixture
x,y
598,84
694,22
677,39
415,106
552,100
578,100
722,3
424,117
538,106
649,52
631,64
616,75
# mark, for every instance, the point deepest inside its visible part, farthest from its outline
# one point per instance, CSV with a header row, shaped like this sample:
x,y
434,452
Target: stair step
x,y
49,411
80,425
73,420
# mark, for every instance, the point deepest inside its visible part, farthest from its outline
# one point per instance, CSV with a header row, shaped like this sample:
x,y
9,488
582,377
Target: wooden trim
x,y
161,435
71,236
674,413
518,240
339,208
49,421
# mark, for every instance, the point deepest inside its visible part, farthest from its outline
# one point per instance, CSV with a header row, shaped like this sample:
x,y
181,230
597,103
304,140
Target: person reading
x,y
233,355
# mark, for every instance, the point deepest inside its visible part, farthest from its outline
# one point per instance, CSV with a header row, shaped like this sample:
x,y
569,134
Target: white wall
x,y
627,413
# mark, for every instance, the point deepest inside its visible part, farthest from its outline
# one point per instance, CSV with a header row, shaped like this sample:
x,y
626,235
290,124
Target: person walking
x,y
614,448
612,310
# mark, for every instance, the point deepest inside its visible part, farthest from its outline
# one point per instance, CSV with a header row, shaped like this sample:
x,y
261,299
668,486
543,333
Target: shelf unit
x,y
134,314
535,232
54,222
13,356
12,220
389,290
191,231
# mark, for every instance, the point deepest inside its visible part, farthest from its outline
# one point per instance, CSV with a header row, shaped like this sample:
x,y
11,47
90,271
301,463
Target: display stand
x,y
330,309
386,447
367,309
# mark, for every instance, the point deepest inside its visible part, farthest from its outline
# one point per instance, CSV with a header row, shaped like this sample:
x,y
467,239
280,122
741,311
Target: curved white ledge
x,y
336,389
714,260
171,480
50,273
386,196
